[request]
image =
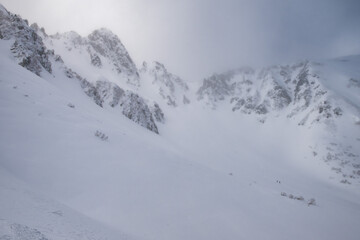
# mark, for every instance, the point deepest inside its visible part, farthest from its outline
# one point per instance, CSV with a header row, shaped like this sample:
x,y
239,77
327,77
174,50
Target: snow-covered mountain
x,y
101,51
164,85
284,90
101,46
269,153
311,94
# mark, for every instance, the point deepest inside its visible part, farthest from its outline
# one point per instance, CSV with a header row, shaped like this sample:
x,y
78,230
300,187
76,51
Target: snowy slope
x,y
210,174
26,214
189,183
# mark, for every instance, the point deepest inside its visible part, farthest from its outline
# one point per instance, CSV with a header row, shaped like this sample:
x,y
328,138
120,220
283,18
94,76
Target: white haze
x,y
197,38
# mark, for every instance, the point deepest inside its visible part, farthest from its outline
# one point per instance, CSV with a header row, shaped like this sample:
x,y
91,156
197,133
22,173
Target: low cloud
x,y
196,38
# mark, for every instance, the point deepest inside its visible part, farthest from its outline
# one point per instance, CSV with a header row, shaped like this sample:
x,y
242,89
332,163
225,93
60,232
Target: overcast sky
x,y
195,38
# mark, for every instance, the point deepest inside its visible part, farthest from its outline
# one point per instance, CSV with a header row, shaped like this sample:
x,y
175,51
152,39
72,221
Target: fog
x,y
195,38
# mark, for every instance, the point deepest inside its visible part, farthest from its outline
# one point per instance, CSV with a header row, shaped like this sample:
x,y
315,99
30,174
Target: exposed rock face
x,y
289,90
132,105
108,45
72,39
88,87
135,108
95,59
217,87
28,48
158,113
37,29
110,92
172,88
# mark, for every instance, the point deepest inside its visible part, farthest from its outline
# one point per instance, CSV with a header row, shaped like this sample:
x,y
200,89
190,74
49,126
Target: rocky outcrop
x,y
131,104
135,108
28,48
289,90
105,43
157,113
89,89
217,87
172,89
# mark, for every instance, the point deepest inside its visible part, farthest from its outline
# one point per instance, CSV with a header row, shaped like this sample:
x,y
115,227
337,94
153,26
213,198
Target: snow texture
x,y
269,153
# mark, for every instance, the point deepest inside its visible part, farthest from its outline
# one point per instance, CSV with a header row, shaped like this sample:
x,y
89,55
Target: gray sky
x,y
195,38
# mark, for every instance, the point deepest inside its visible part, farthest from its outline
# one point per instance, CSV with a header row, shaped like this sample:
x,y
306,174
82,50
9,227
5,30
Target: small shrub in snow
x,y
300,198
337,170
101,135
311,202
345,181
58,212
291,196
71,105
356,165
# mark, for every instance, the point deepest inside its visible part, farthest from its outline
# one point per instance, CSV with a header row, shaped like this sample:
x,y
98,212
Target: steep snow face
x,y
27,48
171,89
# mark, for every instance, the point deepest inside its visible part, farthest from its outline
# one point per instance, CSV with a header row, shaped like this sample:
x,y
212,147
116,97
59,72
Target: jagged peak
x,y
103,32
38,29
68,35
161,73
35,26
107,38
71,36
153,65
144,67
158,65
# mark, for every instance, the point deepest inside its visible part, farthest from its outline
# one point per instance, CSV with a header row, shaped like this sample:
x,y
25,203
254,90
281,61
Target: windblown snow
x,y
93,147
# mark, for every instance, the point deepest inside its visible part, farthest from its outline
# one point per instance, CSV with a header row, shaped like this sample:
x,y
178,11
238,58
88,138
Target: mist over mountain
x,y
198,38
96,146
